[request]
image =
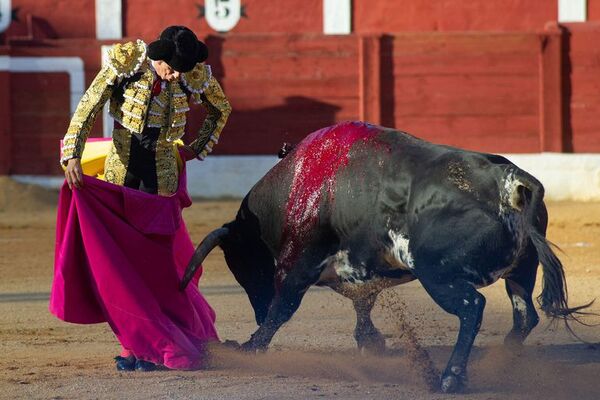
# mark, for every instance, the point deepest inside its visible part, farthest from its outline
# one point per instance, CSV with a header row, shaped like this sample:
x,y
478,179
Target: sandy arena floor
x,y
312,356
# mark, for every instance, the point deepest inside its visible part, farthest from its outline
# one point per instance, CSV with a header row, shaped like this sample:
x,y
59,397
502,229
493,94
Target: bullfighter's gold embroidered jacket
x,y
127,81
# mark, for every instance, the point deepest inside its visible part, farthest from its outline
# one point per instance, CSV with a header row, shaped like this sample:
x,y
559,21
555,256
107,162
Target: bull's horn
x,y
211,241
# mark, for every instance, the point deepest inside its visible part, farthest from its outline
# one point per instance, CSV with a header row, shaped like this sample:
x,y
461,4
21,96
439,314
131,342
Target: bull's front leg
x,y
285,302
461,299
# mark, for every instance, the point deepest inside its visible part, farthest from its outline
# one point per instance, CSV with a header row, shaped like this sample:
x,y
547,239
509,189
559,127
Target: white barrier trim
x,y
565,176
572,10
227,176
6,11
4,63
109,17
71,65
107,121
337,17
45,181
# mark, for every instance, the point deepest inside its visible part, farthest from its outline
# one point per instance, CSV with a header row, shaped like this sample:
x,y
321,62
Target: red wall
x,y
499,92
585,86
63,18
479,91
452,15
281,87
40,104
519,89
145,18
5,113
593,10
40,113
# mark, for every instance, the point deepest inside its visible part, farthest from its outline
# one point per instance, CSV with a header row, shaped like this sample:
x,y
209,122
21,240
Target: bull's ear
x,y
285,149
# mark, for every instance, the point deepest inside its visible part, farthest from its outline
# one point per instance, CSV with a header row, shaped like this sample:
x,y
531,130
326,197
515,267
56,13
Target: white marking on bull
x,y
465,302
280,275
400,249
447,383
456,370
339,265
511,214
509,195
519,304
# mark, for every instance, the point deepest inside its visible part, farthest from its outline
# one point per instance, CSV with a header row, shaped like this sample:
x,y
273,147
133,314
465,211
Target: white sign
x,y
337,17
222,15
107,120
572,10
5,14
109,19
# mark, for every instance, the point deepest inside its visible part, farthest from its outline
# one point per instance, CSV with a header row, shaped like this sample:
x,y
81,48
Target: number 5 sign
x,y
5,14
222,15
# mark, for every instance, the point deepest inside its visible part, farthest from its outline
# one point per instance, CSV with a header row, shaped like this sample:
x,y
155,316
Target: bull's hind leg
x,y
287,299
366,334
519,286
461,299
363,298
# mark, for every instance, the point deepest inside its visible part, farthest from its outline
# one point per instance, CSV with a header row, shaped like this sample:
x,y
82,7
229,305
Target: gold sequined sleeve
x,y
218,108
82,121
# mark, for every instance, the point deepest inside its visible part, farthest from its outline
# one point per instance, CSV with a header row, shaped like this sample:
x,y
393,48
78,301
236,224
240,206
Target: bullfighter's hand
x,y
74,173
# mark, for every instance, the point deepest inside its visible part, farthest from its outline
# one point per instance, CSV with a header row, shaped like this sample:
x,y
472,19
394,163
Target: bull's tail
x,y
212,240
553,299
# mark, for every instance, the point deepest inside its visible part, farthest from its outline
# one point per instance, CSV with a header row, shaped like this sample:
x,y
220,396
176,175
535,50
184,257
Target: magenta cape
x,y
119,256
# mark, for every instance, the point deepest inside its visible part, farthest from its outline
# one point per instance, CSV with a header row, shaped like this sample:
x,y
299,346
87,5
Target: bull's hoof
x,y
252,347
514,341
451,384
231,344
453,381
373,344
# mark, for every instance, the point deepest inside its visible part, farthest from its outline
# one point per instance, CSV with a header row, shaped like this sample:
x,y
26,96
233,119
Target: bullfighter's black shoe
x,y
144,366
125,363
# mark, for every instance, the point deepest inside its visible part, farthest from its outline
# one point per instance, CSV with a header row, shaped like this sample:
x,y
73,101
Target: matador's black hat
x,y
179,47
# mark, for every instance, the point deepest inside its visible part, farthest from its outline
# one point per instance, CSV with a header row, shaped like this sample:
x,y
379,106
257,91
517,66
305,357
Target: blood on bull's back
x,y
305,182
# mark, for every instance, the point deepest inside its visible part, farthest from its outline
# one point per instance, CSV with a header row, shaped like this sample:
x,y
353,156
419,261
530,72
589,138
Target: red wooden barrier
x,y
282,87
584,70
498,92
40,114
474,90
369,60
5,127
552,117
40,104
452,15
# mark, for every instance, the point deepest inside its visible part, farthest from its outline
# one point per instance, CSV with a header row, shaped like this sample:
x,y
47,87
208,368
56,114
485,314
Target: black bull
x,y
359,208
